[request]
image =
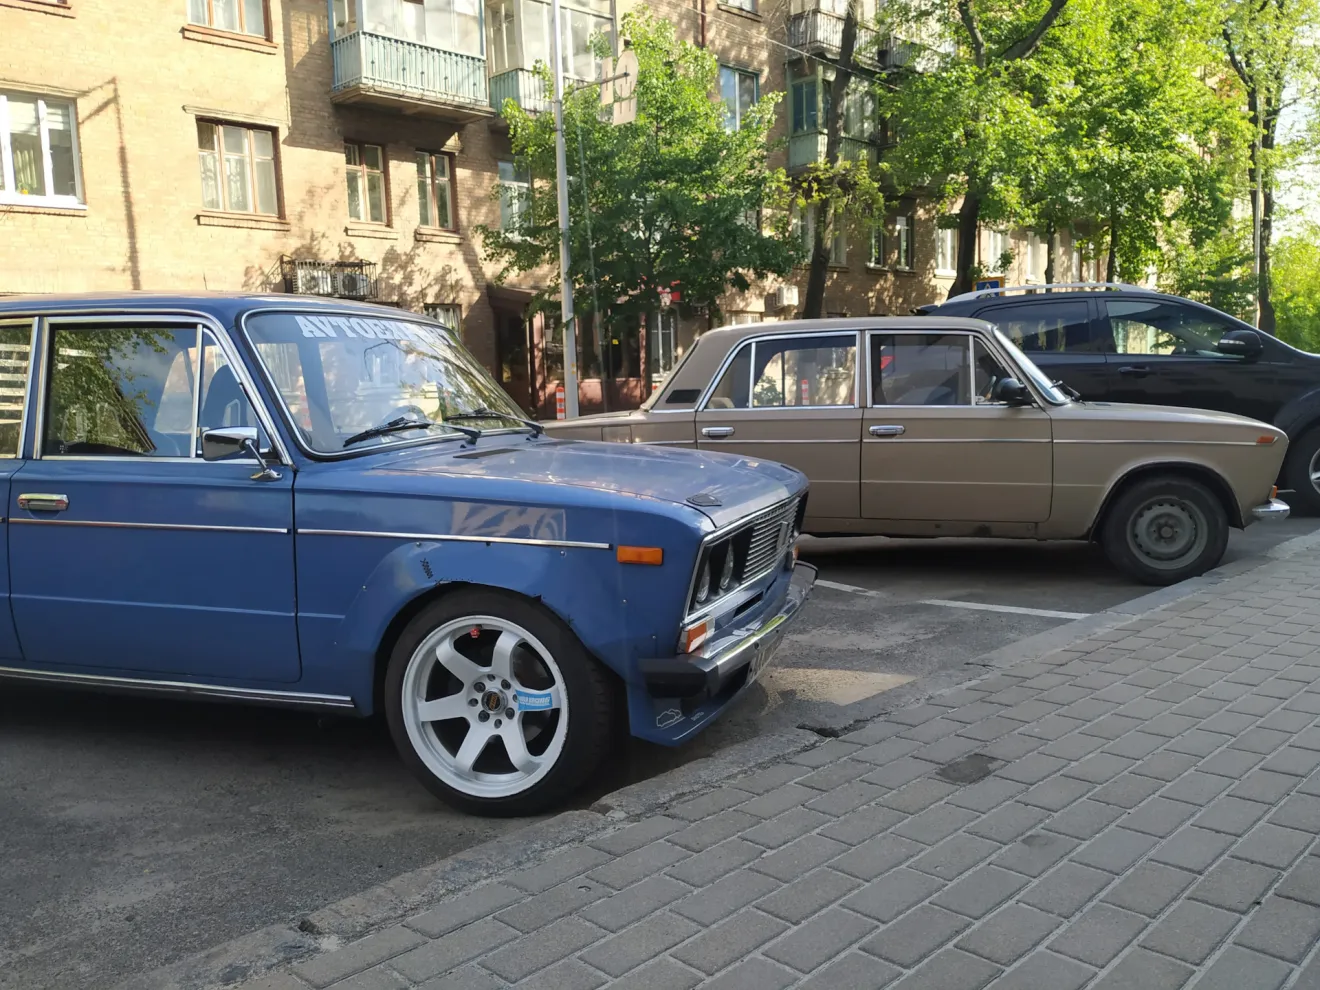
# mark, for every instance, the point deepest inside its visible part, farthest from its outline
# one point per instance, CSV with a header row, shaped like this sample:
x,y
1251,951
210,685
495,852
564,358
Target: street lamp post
x,y
561,170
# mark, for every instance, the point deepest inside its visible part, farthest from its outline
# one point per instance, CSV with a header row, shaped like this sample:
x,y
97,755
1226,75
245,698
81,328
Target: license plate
x,y
764,657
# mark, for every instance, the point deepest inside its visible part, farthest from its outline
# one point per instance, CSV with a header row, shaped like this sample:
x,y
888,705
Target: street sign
x,y
990,283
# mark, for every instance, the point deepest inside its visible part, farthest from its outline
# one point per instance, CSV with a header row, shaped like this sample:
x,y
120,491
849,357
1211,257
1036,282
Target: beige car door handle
x,y
716,432
887,431
43,502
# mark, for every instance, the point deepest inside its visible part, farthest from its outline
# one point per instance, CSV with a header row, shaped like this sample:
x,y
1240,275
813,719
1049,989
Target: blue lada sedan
x,y
314,503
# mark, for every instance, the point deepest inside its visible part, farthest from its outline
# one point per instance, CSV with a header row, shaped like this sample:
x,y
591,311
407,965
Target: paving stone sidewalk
x,y
1138,811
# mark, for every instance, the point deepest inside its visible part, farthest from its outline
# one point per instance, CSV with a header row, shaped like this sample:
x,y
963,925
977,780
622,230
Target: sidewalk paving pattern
x,y
1139,811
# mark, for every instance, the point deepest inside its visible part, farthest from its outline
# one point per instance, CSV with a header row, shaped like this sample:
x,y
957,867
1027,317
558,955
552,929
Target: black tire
x,y
591,697
1303,497
1134,538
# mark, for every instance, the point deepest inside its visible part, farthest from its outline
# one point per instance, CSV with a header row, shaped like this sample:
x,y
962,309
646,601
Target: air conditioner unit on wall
x,y
313,282
353,284
786,297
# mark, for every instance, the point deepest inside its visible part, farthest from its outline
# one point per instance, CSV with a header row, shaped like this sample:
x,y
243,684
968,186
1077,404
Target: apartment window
x,y
364,168
435,191
747,5
446,314
946,251
739,90
238,16
38,151
238,168
454,25
804,227
805,111
903,242
878,245
515,195
1036,258
839,247
997,244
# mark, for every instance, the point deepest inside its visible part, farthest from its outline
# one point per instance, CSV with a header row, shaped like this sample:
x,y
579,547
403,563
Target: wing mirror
x,y
222,443
1241,343
1011,392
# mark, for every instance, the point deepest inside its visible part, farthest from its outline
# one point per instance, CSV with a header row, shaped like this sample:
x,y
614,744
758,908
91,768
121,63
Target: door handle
x,y
888,431
716,432
1134,370
37,502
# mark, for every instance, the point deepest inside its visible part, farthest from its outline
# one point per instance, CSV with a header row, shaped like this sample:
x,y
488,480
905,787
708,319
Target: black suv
x,y
1122,343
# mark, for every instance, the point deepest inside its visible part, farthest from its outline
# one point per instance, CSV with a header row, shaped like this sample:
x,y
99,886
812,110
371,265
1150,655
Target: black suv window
x,y
1046,326
1162,327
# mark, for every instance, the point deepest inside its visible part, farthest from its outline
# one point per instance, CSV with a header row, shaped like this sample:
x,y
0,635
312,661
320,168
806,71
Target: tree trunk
x,y
969,222
1111,265
1049,254
813,307
1266,299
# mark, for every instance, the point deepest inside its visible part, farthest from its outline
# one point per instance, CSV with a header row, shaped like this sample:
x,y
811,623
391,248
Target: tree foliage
x,y
674,197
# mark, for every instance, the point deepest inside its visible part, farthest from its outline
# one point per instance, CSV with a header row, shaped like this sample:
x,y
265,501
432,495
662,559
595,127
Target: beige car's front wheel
x,y
1165,529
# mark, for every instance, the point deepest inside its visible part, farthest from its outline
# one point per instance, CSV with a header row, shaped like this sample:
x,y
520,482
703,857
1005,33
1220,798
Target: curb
x,y
257,952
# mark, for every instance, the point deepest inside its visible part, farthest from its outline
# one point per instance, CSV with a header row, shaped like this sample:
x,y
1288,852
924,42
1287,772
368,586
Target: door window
x,y
1159,327
1050,326
131,391
920,369
813,371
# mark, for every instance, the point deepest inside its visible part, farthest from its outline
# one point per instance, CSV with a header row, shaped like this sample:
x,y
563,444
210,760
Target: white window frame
x,y
997,243
10,194
516,192
241,12
450,314
946,249
1037,259
734,120
251,157
904,228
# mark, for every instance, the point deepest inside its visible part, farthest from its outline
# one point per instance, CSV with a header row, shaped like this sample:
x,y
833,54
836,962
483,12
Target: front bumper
x,y
1273,509
706,674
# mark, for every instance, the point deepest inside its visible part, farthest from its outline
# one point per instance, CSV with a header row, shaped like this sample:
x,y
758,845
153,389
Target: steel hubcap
x,y
1166,533
485,707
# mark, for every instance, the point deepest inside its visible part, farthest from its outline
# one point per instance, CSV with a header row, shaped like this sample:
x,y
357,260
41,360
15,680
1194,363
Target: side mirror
x,y
1241,343
1011,392
222,443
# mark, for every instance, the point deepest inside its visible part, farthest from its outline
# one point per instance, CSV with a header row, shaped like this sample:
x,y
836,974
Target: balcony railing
x,y
820,32
809,146
407,76
524,87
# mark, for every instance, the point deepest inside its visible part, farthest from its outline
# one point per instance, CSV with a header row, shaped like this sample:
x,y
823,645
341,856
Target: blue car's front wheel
x,y
495,705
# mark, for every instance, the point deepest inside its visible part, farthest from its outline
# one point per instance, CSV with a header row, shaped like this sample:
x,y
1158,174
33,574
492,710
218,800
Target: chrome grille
x,y
769,539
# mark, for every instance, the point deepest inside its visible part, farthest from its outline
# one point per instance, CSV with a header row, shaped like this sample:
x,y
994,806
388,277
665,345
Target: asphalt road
x,y
134,832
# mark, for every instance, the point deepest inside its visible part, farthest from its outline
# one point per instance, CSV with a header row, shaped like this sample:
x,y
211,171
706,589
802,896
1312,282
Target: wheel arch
x,y
1211,478
1299,414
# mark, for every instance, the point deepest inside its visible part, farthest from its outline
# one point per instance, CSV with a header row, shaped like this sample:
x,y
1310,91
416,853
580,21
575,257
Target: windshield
x,y
1038,378
341,375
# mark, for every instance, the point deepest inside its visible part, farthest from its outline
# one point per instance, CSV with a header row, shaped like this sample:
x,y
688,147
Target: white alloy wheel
x,y
485,706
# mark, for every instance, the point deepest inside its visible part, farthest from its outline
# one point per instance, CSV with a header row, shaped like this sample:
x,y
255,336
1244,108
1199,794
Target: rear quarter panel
x,y
1098,445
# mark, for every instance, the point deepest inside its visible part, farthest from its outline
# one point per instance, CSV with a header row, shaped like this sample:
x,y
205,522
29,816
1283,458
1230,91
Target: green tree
x,y
1296,287
1271,47
674,197
971,105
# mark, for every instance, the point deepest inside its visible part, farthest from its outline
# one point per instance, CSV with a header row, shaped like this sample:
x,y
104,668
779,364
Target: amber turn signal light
x,y
1265,439
694,637
640,555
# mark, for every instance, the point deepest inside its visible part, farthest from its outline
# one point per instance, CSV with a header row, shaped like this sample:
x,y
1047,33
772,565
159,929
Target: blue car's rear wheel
x,y
495,705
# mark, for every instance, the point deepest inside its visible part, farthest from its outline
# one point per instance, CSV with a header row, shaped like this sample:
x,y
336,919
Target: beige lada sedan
x,y
943,427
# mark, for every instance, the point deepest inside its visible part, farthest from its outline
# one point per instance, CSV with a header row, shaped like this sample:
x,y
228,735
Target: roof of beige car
x,y
702,362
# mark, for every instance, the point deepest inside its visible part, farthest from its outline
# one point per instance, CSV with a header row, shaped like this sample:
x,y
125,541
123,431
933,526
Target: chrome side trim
x,y
132,525
1198,443
894,442
735,440
455,538
666,443
262,695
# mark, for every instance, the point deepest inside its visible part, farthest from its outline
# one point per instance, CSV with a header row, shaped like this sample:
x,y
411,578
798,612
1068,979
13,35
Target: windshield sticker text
x,y
356,326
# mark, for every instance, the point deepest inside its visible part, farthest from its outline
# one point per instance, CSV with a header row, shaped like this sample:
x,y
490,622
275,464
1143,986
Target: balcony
x,y
809,146
817,32
524,87
409,78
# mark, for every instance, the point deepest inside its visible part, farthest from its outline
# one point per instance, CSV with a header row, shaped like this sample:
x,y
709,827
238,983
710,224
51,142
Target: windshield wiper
x,y
403,423
1068,390
483,413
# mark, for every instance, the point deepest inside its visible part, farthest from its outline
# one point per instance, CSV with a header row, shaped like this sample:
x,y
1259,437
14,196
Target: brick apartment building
x,y
351,147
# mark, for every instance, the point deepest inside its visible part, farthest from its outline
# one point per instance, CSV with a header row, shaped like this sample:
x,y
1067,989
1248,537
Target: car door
x,y
16,338
1165,353
935,446
792,398
1060,336
128,552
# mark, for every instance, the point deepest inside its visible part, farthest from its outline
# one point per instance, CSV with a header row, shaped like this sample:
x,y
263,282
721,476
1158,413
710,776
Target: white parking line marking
x,y
847,587
1015,609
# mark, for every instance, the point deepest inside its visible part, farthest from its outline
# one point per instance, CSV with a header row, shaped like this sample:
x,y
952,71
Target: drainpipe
x,y
702,42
